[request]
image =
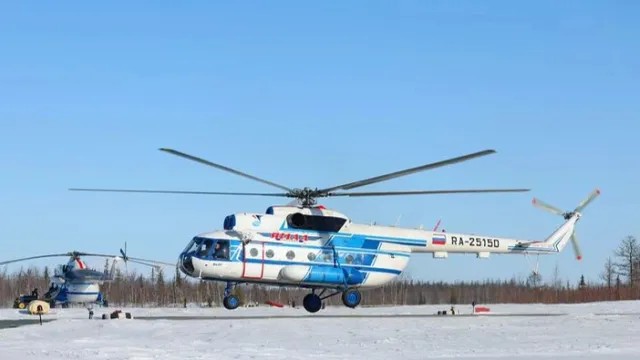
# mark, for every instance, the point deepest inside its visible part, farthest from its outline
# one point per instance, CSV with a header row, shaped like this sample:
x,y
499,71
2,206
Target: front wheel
x,y
231,302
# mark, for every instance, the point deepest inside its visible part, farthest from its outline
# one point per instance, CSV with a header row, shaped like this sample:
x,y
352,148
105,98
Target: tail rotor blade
x,y
545,206
576,247
587,200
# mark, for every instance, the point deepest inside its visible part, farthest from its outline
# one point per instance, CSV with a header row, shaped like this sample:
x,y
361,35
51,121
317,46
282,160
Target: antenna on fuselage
x,y
435,228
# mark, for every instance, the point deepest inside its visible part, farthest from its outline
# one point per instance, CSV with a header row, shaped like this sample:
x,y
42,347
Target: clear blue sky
x,y
314,95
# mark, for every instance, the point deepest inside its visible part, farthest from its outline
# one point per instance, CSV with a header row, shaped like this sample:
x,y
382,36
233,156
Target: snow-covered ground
x,y
583,332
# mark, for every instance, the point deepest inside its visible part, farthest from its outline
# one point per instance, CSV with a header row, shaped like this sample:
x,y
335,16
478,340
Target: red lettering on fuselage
x,y
289,236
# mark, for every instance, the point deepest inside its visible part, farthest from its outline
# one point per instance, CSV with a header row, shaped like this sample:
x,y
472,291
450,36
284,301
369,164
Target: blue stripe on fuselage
x,y
378,238
361,267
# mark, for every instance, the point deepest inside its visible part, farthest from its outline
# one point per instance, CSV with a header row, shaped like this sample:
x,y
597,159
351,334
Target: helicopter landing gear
x,y
351,298
230,301
312,302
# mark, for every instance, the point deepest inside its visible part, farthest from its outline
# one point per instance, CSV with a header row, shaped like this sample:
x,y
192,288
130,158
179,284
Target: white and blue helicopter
x,y
74,282
306,245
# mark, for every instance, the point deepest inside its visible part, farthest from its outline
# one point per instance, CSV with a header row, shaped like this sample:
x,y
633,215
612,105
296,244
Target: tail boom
x,y
444,243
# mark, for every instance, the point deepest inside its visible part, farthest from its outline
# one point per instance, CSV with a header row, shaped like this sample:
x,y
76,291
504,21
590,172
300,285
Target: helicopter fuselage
x,y
320,248
322,253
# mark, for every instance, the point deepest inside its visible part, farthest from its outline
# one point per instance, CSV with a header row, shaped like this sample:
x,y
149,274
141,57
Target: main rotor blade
x,y
222,167
83,254
32,258
400,173
587,200
576,248
183,192
424,192
148,262
541,204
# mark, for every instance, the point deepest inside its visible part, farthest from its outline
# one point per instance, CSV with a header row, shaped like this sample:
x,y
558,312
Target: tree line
x,y
618,280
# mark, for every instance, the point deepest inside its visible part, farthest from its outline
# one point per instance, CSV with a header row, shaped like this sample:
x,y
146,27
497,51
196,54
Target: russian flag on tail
x,y
438,239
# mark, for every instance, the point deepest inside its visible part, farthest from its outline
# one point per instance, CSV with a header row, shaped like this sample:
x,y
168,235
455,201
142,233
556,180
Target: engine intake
x,y
297,220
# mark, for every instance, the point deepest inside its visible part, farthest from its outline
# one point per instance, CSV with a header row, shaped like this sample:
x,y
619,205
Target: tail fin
x,y
554,242
568,215
559,238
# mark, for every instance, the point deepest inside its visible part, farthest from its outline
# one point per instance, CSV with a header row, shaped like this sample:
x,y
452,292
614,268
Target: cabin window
x,y
253,252
311,256
315,222
269,253
290,254
327,255
348,259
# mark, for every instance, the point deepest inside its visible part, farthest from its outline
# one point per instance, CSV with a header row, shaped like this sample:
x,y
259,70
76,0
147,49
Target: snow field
x,y
583,332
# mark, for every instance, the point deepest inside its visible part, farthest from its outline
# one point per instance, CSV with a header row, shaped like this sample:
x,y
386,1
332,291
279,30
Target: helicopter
x,y
306,245
74,282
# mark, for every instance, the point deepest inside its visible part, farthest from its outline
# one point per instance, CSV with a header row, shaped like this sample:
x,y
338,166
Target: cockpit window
x,y
209,249
193,244
221,250
204,249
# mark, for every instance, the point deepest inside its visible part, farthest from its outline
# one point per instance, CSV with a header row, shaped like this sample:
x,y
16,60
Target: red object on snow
x,y
273,303
481,309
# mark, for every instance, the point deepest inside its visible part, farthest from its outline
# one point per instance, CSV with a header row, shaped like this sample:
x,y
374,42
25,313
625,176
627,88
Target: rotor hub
x,y
306,196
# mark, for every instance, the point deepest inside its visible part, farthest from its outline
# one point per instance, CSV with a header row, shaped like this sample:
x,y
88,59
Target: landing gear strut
x,y
230,301
313,302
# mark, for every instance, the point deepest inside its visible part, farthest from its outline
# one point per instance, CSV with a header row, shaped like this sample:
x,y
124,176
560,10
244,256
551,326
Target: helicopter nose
x,y
186,264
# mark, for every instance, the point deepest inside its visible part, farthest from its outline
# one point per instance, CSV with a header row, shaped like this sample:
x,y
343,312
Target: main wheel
x,y
21,305
231,302
351,298
312,303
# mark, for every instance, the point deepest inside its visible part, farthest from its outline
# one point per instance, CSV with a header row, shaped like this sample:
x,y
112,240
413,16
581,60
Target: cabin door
x,y
253,260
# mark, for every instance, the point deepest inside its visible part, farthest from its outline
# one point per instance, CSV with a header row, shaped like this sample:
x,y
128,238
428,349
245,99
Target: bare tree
x,y
608,275
629,254
534,279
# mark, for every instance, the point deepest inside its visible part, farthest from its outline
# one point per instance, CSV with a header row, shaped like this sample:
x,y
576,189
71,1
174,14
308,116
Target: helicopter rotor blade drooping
x,y
307,196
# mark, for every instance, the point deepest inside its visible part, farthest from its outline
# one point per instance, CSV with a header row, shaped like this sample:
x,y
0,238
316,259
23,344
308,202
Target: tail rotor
x,y
568,214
